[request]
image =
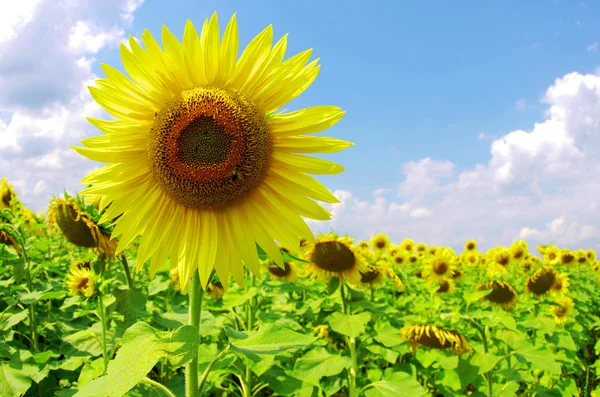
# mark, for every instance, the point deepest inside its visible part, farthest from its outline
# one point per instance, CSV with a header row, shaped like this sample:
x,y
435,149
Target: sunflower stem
x,y
210,367
127,272
158,386
489,375
27,263
351,342
102,314
195,293
249,326
372,294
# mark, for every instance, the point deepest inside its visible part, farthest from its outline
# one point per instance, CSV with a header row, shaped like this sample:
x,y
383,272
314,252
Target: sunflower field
x,y
341,317
185,267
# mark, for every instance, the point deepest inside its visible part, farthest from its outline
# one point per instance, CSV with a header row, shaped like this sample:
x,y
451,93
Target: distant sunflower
x,y
407,245
581,256
374,275
399,259
563,310
518,250
7,194
440,267
471,245
560,285
330,257
470,258
434,337
413,259
542,280
591,255
432,250
567,258
198,159
392,250
421,248
216,290
363,245
78,227
457,274
446,286
288,273
81,281
551,253
380,242
503,294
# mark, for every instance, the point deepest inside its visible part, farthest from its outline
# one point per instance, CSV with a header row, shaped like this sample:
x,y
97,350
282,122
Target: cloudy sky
x,y
471,120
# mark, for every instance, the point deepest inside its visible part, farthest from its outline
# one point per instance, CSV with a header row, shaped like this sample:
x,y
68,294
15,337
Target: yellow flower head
x,y
439,267
591,255
380,242
542,280
446,286
470,245
399,259
7,194
581,256
421,248
519,250
470,258
499,261
201,159
81,281
78,227
288,273
392,250
550,253
215,290
457,273
330,257
374,275
567,258
563,310
408,245
503,294
363,246
560,285
434,337
413,259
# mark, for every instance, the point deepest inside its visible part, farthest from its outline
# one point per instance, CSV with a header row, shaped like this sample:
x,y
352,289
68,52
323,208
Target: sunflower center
x,y
552,256
333,256
369,277
440,267
82,283
380,244
470,246
560,311
503,260
501,293
209,147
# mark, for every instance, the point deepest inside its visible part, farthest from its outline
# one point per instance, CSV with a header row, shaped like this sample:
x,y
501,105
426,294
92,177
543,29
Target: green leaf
x,y
540,358
333,285
471,297
280,382
91,371
318,363
12,317
351,325
400,384
507,390
486,361
388,336
270,339
142,347
13,382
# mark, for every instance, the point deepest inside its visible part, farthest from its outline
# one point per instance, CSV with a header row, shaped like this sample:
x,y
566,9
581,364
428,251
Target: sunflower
x,y
288,272
500,259
457,274
421,249
407,245
330,257
7,238
392,251
550,253
542,280
412,259
432,250
470,245
470,258
581,256
7,194
86,264
215,290
440,267
591,255
503,294
434,337
363,246
78,227
566,257
560,285
518,250
81,280
562,310
198,159
447,286
399,259
373,275
380,242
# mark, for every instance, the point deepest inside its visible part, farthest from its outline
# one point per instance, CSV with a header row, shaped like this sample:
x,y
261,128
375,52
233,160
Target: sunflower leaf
x,y
351,325
142,347
400,384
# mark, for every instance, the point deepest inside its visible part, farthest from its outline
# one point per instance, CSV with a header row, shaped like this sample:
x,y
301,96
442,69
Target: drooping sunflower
x,y
329,256
542,280
434,337
440,266
380,242
563,310
81,280
78,226
446,286
288,273
567,258
198,159
7,238
470,245
215,290
374,275
502,294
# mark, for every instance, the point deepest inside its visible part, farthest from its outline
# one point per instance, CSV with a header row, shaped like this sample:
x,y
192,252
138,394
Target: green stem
x,y
372,294
32,320
488,376
210,367
195,293
249,326
351,342
159,386
127,272
102,314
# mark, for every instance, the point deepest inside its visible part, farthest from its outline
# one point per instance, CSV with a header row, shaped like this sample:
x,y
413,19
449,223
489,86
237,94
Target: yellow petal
x,y
193,56
305,121
252,58
229,52
303,183
301,163
209,41
309,144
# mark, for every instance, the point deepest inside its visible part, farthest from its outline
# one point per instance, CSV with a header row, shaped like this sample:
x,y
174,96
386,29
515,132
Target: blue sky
x,y
471,119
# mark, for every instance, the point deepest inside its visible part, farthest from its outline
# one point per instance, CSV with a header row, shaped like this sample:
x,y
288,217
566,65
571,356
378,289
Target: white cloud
x,y
47,50
539,184
593,47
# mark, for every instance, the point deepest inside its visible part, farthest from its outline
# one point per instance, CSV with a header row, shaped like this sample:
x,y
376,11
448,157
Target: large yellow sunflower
x,y
198,159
